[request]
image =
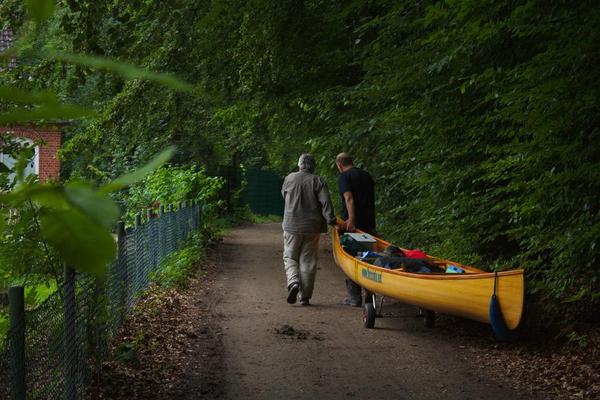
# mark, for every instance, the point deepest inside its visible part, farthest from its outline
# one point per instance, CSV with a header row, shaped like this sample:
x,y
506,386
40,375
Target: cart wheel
x,y
369,315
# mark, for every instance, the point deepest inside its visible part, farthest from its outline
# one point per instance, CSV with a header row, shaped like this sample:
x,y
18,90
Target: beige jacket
x,y
308,207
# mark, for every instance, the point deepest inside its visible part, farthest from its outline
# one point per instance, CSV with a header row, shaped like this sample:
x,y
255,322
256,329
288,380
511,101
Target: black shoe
x,y
352,303
304,302
293,293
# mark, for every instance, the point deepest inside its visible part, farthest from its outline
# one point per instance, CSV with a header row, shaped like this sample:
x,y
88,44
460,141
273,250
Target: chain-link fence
x,y
49,350
262,192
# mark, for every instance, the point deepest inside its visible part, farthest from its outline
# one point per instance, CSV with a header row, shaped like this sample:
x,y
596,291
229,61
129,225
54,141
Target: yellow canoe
x,y
464,295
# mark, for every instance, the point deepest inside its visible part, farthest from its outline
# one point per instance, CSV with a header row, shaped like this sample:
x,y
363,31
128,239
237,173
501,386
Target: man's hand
x,y
349,225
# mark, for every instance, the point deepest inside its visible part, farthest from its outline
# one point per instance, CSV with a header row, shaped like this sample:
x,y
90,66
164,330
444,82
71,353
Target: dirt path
x,y
272,350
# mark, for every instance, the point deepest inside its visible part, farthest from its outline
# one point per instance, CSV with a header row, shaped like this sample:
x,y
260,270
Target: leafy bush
x,y
172,185
179,264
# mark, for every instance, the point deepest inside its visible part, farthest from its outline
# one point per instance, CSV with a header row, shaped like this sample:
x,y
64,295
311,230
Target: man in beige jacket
x,y
307,213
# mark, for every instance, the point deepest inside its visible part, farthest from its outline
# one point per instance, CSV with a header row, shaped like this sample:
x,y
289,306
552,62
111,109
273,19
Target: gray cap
x,y
306,162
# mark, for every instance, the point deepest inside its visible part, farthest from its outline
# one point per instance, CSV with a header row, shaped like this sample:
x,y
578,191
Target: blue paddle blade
x,y
499,327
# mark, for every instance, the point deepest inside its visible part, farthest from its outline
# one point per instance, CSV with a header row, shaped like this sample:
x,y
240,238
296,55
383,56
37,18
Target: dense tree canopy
x,y
478,119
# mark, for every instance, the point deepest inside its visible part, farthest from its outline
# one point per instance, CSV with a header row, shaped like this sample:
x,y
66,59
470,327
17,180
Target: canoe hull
x,y
462,295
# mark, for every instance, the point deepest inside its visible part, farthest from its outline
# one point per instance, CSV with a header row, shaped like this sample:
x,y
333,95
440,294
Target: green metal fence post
x,y
196,214
16,305
152,242
182,226
199,214
123,299
171,230
71,359
161,234
139,256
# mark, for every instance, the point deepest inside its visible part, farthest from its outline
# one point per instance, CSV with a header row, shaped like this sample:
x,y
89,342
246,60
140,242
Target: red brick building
x,y
45,163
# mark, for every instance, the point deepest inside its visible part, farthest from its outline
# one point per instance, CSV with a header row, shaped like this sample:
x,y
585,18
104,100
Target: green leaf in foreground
x,y
126,70
95,205
40,10
140,173
19,96
47,195
45,112
81,242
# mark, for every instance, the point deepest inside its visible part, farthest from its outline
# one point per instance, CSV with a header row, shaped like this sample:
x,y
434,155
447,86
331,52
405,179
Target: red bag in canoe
x,y
416,253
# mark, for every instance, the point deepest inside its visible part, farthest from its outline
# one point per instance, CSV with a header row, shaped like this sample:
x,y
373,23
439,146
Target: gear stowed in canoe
x,y
432,283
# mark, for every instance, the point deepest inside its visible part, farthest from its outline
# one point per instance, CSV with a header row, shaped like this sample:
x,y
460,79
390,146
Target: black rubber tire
x,y
369,315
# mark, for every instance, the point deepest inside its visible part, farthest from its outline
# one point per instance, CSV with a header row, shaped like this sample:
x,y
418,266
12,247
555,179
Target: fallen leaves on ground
x,y
168,348
544,368
562,373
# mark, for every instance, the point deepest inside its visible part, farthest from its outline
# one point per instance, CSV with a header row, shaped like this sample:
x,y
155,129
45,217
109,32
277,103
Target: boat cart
x,y
372,311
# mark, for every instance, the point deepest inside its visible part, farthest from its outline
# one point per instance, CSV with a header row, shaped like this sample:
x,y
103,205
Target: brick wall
x,y
49,163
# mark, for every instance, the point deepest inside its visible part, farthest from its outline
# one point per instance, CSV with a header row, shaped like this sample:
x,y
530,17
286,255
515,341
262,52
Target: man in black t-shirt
x,y
357,189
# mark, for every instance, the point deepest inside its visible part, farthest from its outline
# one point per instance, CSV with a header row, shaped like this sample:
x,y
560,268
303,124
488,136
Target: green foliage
x,y
127,71
40,10
139,174
37,294
178,265
80,241
172,185
126,352
579,340
38,45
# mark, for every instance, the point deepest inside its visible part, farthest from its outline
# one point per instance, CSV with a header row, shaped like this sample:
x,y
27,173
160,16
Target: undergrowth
x,y
244,214
178,265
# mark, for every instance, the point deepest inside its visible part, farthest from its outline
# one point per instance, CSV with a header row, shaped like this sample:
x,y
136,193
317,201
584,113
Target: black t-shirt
x,y
362,187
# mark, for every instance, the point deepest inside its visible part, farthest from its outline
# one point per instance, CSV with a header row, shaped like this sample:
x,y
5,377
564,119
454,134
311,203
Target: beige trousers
x,y
300,254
